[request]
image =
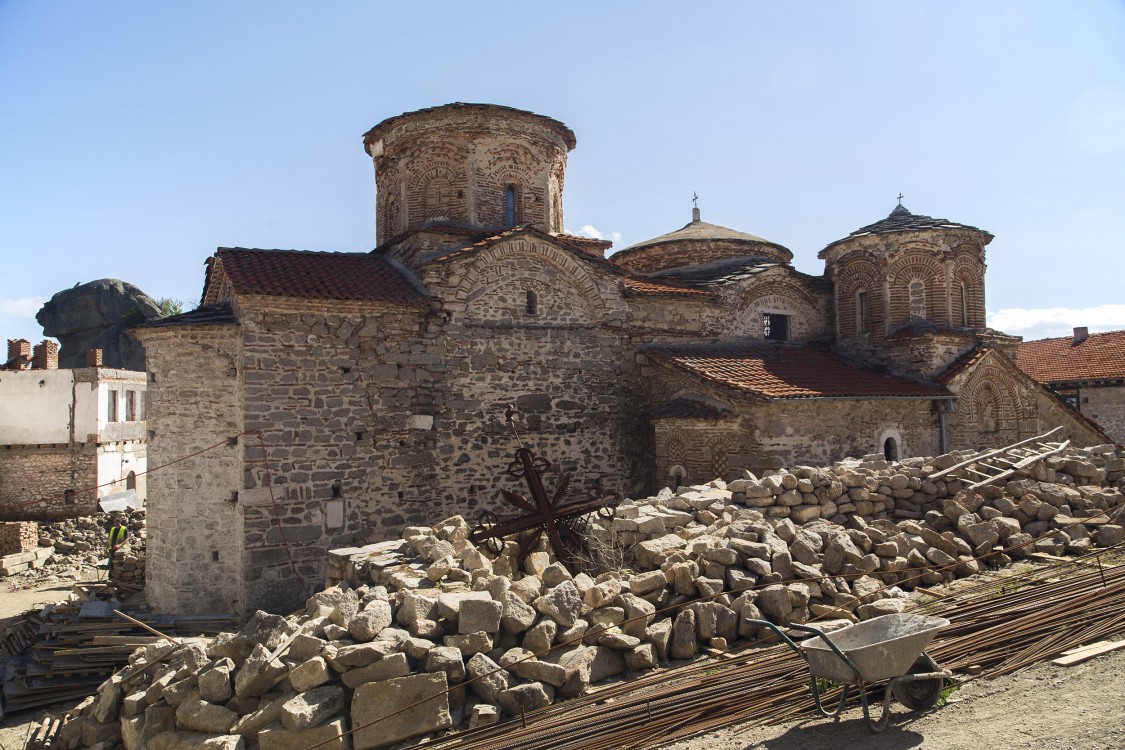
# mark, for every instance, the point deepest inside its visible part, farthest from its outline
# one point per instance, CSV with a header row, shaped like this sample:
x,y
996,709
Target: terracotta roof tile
x,y
788,372
634,285
1101,356
567,241
316,275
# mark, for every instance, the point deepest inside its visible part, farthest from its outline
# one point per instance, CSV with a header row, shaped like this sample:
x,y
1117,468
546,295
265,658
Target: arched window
x,y
437,197
532,302
964,305
510,204
131,481
677,475
917,299
861,319
890,449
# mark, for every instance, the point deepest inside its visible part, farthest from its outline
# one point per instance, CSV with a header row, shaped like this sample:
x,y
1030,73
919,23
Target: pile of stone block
x,y
18,536
88,536
427,633
23,561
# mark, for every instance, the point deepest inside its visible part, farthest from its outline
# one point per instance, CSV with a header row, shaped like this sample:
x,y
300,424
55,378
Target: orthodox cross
x,y
563,523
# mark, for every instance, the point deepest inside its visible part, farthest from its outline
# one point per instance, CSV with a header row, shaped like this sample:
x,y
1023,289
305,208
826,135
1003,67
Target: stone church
x,y
369,389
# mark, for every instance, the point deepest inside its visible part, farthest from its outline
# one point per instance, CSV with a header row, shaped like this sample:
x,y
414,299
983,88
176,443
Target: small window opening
x,y
964,305
345,370
360,435
68,497
131,481
917,299
861,321
130,406
214,555
775,327
532,302
336,490
111,406
401,495
890,449
510,206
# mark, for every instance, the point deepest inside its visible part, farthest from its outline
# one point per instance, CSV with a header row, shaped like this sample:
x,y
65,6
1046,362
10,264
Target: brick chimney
x,y
93,357
19,354
1081,334
45,356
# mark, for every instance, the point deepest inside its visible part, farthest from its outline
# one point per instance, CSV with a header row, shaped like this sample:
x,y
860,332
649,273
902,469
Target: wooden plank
x,y
1077,656
996,452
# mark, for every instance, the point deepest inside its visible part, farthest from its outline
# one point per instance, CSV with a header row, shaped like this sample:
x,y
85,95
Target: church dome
x,y
901,220
695,243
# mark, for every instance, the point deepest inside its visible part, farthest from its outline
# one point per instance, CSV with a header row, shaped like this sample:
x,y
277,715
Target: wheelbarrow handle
x,y
816,631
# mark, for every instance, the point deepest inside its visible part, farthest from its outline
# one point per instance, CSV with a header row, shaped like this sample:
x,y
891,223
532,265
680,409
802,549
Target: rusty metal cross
x,y
563,523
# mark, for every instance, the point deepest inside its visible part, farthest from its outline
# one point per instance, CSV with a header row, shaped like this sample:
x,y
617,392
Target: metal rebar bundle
x,y
998,626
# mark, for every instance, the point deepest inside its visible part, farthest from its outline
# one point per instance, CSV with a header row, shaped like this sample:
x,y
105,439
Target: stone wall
x,y
48,482
1106,406
194,518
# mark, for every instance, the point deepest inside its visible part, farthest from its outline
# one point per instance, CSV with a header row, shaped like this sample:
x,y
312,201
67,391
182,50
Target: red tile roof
x,y
315,275
962,363
789,372
664,288
1101,356
567,241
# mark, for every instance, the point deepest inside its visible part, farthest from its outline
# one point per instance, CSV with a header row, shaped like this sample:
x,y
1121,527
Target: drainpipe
x,y
943,442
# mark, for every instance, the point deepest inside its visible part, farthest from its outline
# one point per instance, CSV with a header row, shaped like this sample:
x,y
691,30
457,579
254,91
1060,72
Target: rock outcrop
x,y
94,316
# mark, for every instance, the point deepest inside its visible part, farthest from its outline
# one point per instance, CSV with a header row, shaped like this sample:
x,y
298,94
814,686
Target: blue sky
x,y
135,138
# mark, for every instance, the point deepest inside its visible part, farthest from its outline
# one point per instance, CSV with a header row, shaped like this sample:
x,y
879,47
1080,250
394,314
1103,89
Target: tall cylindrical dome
x,y
475,165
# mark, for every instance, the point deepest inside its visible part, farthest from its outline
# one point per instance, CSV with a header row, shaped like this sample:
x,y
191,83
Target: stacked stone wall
x,y
1106,406
49,482
194,559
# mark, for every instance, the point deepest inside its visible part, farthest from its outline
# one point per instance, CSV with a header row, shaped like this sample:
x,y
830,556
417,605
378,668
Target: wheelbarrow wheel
x,y
919,695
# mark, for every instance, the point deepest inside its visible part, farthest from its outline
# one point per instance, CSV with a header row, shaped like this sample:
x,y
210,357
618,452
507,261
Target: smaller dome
x,y
901,220
697,242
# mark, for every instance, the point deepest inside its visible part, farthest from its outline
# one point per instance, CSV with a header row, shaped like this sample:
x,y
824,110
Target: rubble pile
x,y
432,615
83,541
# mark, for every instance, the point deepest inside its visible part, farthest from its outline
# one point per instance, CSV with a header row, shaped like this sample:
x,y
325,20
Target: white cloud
x,y
21,307
591,231
1048,322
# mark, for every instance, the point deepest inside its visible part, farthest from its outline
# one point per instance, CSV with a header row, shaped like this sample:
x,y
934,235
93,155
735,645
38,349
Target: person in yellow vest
x,y
118,535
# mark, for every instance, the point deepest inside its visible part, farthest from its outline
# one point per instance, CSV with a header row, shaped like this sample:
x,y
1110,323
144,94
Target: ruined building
x,y
376,382
68,437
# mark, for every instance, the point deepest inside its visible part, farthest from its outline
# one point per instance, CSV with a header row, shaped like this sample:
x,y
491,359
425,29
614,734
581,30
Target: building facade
x,y
1086,370
69,437
368,391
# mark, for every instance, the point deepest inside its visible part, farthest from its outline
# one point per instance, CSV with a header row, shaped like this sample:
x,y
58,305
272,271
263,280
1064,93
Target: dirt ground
x,y
18,594
1044,707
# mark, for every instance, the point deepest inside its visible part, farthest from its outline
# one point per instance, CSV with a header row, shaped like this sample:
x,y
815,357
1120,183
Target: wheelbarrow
x,y
891,647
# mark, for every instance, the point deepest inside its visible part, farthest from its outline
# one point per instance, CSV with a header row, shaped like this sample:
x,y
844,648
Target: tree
x,y
170,307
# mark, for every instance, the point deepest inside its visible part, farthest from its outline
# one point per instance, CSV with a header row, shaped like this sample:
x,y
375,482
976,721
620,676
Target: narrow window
x,y
532,302
510,206
68,497
131,481
964,305
890,449
111,406
130,406
917,299
775,327
861,312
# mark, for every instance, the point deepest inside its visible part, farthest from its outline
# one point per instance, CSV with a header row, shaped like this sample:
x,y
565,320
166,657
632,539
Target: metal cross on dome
x,y
563,523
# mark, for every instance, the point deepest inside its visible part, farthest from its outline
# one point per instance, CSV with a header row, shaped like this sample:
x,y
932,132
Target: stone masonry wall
x,y
34,481
194,546
1106,406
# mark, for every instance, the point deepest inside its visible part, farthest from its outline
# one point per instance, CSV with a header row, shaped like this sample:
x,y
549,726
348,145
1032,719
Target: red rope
x,y
277,512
